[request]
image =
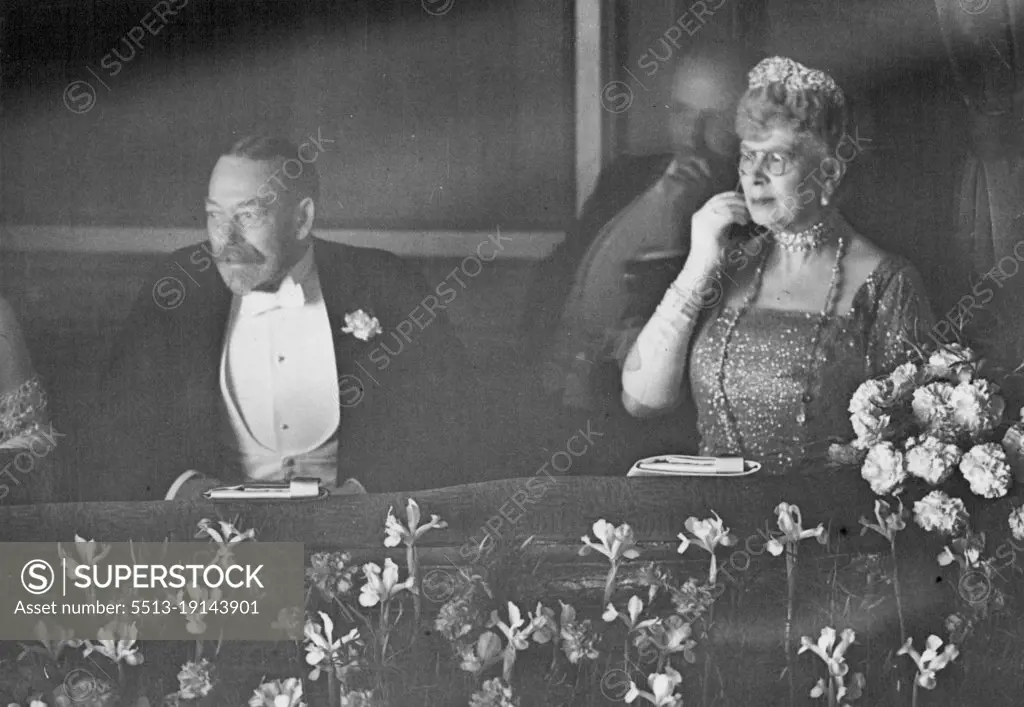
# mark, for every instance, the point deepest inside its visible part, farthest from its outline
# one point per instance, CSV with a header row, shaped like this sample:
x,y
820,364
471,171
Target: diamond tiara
x,y
794,76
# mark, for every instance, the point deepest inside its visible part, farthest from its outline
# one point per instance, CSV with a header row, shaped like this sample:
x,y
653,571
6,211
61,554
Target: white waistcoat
x,y
279,383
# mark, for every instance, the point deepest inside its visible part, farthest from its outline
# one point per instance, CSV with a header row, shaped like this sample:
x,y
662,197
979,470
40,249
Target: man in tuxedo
x,y
267,353
631,238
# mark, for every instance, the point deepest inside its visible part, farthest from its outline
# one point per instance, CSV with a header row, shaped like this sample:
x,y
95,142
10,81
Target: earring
x,y
826,192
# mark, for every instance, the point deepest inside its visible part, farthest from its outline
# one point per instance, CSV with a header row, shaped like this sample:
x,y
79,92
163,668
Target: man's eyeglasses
x,y
774,163
245,219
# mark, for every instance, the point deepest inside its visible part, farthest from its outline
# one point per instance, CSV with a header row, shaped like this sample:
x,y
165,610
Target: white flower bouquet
x,y
941,422
927,421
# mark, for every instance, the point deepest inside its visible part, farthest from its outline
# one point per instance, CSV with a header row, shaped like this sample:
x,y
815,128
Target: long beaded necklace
x,y
728,417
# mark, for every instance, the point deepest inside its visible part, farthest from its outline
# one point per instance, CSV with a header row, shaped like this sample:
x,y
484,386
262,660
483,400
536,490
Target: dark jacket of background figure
x,y
619,184
406,416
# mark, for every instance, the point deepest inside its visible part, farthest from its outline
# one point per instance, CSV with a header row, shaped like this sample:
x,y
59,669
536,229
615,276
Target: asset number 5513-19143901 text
x,y
158,607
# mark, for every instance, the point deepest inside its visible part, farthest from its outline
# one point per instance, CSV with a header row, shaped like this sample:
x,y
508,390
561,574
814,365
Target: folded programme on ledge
x,y
681,465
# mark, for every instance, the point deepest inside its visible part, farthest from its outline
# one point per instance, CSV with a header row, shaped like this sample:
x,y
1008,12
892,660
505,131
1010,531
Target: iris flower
x,y
791,524
612,542
853,692
116,648
966,550
381,586
707,534
662,685
89,552
278,693
633,609
517,631
931,661
481,655
226,537
545,626
409,533
322,650
671,635
834,658
52,645
889,522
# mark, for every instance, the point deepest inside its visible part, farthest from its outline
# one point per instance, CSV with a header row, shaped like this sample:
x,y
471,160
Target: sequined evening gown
x,y
769,363
21,412
26,437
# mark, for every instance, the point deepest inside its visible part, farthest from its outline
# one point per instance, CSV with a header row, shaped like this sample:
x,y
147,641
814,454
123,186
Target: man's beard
x,y
248,273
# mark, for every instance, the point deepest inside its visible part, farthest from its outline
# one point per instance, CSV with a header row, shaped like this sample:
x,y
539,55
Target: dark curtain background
x,y
890,58
446,114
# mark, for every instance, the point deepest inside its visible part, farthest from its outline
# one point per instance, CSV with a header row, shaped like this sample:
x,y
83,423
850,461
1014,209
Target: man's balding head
x,y
706,86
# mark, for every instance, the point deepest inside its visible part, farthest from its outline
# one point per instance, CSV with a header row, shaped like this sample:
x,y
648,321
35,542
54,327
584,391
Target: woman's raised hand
x,y
709,227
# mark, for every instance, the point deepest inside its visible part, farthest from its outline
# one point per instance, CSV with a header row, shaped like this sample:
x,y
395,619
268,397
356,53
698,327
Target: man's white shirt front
x,y
279,383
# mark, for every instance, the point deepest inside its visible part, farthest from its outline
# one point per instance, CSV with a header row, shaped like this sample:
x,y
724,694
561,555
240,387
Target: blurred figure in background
x,y
592,295
26,435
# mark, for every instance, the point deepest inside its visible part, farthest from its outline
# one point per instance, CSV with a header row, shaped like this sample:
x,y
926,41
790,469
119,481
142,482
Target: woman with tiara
x,y
774,332
27,440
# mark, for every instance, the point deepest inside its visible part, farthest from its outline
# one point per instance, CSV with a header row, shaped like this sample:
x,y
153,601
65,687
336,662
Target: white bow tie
x,y
288,296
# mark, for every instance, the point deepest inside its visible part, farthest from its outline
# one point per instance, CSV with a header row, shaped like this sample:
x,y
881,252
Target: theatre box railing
x,y
845,583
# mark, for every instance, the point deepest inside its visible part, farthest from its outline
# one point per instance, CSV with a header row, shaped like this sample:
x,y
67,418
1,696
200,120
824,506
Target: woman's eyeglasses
x,y
774,163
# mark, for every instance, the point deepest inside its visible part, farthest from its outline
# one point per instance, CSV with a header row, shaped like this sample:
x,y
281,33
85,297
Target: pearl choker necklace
x,y
809,239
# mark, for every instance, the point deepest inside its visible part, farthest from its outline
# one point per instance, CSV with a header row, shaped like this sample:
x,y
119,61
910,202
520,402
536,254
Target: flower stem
x,y
412,562
345,611
831,691
333,693
384,632
896,590
508,662
707,656
913,695
609,584
625,654
790,601
351,613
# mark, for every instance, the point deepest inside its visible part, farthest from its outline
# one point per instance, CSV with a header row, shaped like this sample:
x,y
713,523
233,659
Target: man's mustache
x,y
237,254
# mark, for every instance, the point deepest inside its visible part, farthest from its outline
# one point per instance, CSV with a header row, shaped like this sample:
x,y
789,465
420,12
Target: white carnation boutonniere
x,y
361,325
